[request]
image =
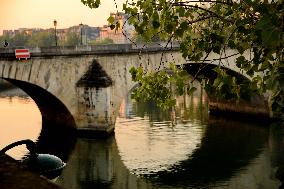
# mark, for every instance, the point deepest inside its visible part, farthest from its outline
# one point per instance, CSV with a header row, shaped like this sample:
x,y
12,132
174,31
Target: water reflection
x,y
226,148
153,149
57,140
97,164
20,119
276,146
149,151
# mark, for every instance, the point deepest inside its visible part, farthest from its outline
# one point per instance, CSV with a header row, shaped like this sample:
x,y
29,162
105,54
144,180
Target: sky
x,y
16,14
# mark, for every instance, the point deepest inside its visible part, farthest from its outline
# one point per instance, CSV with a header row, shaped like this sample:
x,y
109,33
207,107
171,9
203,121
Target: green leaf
x,y
111,20
217,47
240,61
264,66
112,26
169,28
155,24
264,23
271,37
181,11
231,44
91,3
184,26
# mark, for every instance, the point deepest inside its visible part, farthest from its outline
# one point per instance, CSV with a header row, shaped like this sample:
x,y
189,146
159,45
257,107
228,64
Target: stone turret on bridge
x,y
82,86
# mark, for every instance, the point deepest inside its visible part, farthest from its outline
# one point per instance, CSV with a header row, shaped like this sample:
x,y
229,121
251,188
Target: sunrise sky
x,y
41,13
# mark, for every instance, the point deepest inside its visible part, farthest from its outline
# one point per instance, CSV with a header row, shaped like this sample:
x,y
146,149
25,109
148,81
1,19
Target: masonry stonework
x,y
90,84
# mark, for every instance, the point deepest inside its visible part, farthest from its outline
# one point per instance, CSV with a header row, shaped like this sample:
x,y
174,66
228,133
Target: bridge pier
x,y
96,112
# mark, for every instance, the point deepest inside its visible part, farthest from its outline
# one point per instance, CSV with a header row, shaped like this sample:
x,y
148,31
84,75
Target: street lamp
x,y
55,36
81,26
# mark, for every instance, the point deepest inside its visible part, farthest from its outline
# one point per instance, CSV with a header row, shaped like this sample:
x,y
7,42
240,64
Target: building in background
x,y
8,32
27,31
90,33
122,34
85,34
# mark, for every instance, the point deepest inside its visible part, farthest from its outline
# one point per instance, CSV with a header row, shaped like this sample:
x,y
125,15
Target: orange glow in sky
x,y
16,14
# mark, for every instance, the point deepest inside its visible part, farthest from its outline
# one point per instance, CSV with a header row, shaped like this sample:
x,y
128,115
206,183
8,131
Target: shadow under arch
x,y
58,133
251,104
207,71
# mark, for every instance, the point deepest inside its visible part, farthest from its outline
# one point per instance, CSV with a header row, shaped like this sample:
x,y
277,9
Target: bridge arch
x,y
252,105
53,111
207,71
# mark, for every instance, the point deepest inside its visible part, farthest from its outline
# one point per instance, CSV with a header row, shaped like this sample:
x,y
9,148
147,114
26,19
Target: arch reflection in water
x,y
151,140
21,119
56,139
224,148
226,154
220,153
227,149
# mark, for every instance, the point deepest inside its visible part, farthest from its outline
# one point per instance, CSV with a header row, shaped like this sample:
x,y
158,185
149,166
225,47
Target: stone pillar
x,y
95,110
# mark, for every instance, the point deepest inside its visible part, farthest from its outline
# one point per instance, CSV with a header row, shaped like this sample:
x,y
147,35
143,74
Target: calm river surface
x,y
152,149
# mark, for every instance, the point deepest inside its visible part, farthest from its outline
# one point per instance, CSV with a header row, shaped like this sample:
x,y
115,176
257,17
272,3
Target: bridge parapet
x,y
9,53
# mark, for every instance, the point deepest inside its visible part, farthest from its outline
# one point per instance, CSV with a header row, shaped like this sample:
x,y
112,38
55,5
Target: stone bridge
x,y
84,86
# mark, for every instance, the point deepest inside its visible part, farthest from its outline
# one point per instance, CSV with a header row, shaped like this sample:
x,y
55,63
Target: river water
x,y
153,149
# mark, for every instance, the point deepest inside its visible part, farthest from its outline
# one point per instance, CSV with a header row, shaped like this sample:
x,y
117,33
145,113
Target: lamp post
x,y
55,36
81,26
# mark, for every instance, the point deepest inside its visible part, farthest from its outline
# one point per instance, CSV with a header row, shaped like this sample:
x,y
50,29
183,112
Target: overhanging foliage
x,y
204,27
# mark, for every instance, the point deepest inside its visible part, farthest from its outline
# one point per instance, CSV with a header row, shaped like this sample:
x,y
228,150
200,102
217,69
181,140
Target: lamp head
x,y
54,23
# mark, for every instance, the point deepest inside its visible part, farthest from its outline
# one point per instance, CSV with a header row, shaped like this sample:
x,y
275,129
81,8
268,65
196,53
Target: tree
x,y
213,26
20,39
104,41
41,39
72,39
